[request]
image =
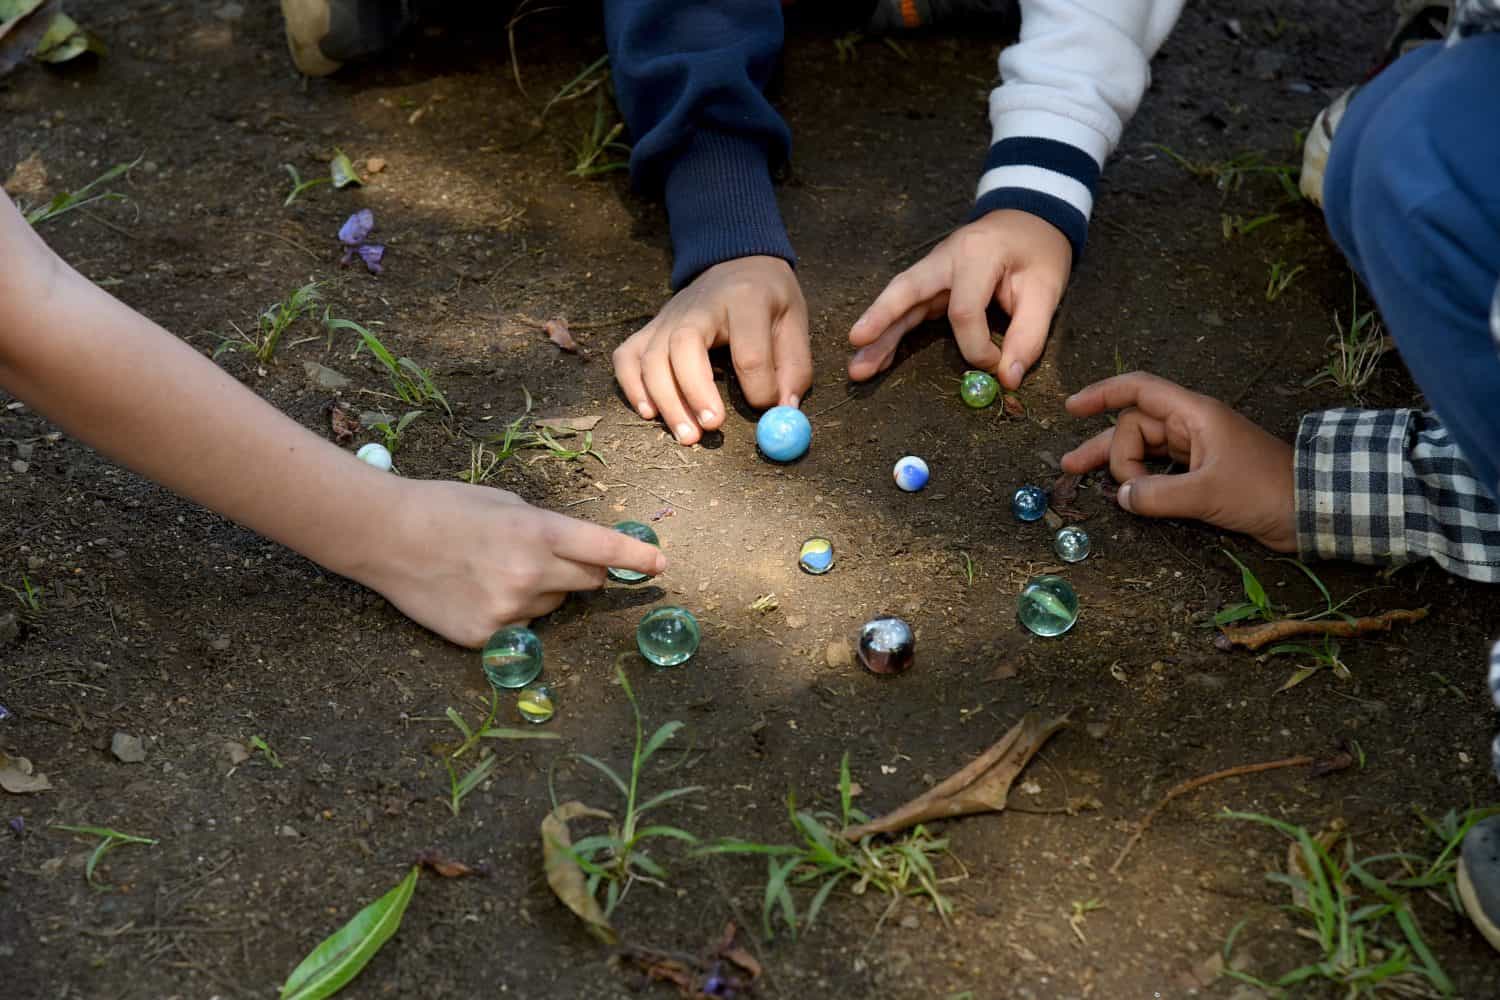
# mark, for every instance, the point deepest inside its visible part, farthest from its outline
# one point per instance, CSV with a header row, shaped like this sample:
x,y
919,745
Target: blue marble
x,y
1072,544
911,473
887,645
641,533
1029,503
1047,605
783,434
816,556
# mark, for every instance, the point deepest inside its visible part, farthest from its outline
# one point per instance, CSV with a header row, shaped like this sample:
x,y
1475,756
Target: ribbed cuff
x,y
1048,178
721,205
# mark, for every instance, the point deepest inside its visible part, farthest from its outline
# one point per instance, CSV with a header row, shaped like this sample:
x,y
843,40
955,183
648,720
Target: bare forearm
x,y
119,382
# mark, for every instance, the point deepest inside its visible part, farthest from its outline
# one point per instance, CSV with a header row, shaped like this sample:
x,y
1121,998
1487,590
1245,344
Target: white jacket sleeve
x,y
1068,86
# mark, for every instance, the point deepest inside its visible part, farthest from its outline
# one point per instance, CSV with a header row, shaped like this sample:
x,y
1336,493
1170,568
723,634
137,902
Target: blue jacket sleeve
x,y
690,79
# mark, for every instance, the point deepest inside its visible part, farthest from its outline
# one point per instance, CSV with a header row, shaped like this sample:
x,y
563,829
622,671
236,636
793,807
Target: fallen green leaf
x,y
65,40
23,23
341,171
110,839
331,965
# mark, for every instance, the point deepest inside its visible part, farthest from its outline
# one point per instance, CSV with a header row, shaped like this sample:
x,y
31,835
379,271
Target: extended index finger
x,y
595,545
914,286
1152,394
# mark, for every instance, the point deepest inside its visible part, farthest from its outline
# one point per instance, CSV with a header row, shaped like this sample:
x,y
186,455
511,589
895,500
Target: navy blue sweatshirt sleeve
x,y
690,79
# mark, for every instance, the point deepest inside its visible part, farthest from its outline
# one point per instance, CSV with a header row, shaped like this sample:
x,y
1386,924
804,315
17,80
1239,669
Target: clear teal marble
x,y
1047,605
536,704
668,636
512,658
978,389
1072,544
640,532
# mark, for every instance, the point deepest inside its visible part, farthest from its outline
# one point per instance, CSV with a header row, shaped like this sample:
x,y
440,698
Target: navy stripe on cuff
x,y
1049,154
1065,216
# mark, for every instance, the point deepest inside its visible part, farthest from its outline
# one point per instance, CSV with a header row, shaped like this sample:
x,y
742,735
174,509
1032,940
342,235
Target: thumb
x,y
1166,496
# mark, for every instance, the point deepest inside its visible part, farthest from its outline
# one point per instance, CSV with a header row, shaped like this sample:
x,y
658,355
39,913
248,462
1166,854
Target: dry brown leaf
x,y
374,165
569,423
1065,490
18,777
447,867
563,874
28,179
345,424
982,786
557,331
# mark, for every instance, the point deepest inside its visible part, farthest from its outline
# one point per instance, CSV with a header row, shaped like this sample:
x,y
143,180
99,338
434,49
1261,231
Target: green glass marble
x,y
978,389
1047,605
668,636
536,704
640,532
512,658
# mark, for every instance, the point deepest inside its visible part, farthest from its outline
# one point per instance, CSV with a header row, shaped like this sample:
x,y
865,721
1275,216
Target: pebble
x,y
238,752
10,627
19,466
287,830
839,654
127,748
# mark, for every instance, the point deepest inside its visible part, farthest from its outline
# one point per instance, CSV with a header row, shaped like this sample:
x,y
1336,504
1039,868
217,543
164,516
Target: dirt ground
x,y
161,620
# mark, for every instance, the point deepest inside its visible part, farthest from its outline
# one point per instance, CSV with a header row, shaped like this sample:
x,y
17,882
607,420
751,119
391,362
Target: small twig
x,y
664,499
598,324
106,223
288,242
1195,783
1256,636
575,503
843,402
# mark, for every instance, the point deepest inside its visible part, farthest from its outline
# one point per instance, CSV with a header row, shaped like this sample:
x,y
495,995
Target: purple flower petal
x,y
357,227
5,713
18,826
371,254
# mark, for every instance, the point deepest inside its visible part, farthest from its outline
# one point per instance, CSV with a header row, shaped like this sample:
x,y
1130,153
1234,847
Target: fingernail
x,y
1016,371
792,401
661,562
643,410
1123,497
861,323
706,416
684,431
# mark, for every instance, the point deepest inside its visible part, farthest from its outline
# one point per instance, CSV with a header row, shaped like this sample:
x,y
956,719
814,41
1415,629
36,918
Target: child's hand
x,y
1011,257
752,304
465,560
1239,477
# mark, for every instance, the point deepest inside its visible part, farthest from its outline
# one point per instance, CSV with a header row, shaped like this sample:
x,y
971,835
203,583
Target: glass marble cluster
x,y
978,389
816,556
668,636
887,645
536,704
512,658
911,473
1047,605
1029,503
783,434
1071,544
641,533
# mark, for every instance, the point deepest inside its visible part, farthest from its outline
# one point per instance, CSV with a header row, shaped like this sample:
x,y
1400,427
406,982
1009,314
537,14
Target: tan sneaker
x,y
324,34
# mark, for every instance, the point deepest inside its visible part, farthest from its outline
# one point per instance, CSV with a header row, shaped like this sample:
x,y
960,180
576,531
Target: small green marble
x,y
1047,605
978,389
512,658
668,636
640,532
536,704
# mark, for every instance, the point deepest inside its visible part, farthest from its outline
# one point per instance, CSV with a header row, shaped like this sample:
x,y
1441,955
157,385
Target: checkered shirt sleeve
x,y
1389,486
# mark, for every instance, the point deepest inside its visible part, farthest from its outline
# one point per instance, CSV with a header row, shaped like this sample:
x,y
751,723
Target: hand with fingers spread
x,y
1011,257
751,304
1239,477
466,560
